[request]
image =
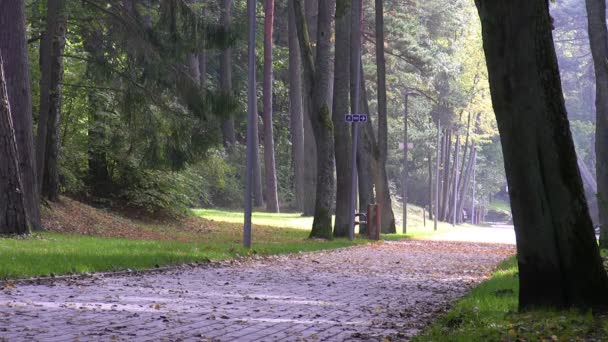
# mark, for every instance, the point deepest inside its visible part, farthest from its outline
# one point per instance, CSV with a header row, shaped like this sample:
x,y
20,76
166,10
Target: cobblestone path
x,y
363,293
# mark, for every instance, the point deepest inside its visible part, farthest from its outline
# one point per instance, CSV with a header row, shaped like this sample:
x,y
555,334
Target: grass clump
x,y
489,313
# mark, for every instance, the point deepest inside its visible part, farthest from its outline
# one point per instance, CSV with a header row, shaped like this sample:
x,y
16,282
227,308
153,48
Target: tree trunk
x,y
341,106
13,44
316,83
366,172
430,203
258,198
226,72
466,180
13,215
310,151
296,110
272,199
454,197
598,39
445,196
558,257
98,179
465,150
51,60
383,195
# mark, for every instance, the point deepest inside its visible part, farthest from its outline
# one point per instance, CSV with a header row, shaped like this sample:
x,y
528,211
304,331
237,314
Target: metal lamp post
x,y
251,112
355,129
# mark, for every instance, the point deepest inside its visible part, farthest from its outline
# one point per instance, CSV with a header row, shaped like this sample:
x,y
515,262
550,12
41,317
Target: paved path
x,y
362,293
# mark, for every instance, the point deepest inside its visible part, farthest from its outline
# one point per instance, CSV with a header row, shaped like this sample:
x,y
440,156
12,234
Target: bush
x,y
162,192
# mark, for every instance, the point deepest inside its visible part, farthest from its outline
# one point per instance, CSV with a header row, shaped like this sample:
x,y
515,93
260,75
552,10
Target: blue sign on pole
x,y
355,117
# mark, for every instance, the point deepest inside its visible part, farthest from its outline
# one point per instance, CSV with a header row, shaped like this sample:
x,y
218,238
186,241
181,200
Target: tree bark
x,y
466,180
341,107
367,174
598,39
296,110
13,44
229,136
13,215
558,257
316,83
258,198
454,185
383,195
445,196
272,199
310,151
51,60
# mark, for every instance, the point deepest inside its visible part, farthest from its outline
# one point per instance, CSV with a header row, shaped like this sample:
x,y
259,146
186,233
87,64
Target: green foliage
x,y
489,313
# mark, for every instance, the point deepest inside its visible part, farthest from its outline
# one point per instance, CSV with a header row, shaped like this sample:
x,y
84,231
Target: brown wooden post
x,y
378,221
370,231
423,216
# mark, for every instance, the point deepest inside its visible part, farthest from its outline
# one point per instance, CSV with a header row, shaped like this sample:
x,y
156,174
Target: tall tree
x,y
341,106
51,66
310,145
98,179
13,44
296,109
272,198
316,85
558,257
226,71
382,189
598,38
13,216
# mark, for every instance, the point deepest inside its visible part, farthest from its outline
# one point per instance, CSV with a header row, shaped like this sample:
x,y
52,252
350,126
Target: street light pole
x,y
355,126
251,112
405,166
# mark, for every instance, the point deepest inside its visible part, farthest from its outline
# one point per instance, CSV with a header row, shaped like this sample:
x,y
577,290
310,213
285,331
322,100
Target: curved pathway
x,y
359,293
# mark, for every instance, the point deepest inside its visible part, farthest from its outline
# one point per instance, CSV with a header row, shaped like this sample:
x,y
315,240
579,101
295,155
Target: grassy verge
x,y
489,313
84,239
51,253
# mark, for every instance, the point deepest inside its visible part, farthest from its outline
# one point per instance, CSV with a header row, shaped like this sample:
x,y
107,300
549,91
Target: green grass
x,y
159,245
415,226
489,313
50,253
282,220
155,244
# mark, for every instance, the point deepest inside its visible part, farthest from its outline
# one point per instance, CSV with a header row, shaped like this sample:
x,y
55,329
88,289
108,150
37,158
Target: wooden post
x,y
423,216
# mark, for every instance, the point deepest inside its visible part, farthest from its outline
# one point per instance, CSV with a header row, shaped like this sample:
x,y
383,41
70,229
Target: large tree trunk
x,y
13,215
365,151
13,45
272,198
558,257
341,106
382,189
316,83
226,72
466,180
296,110
310,151
598,38
310,144
51,61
